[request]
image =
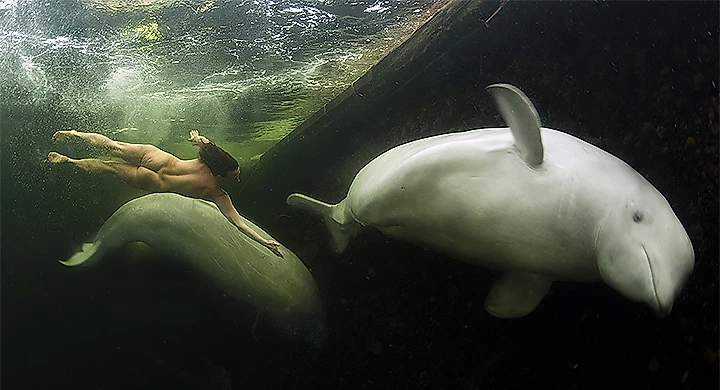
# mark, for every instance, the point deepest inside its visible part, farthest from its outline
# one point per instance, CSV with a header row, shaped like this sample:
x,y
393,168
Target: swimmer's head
x,y
220,162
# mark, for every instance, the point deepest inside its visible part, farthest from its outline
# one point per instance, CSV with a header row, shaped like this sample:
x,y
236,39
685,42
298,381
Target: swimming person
x,y
152,169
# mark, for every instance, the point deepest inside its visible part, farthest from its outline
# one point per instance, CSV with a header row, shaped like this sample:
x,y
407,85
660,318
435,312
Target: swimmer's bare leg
x,y
57,158
93,139
89,165
135,176
148,156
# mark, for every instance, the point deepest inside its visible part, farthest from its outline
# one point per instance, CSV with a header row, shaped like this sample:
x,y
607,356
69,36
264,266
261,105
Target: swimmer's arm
x,y
224,203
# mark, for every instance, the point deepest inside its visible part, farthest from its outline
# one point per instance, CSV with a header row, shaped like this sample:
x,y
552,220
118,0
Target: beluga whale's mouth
x,y
659,309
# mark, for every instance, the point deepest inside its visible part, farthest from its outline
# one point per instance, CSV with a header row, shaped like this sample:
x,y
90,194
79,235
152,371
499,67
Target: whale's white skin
x,y
537,204
195,231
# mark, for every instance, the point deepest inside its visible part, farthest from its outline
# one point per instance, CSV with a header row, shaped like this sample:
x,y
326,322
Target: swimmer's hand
x,y
197,139
274,247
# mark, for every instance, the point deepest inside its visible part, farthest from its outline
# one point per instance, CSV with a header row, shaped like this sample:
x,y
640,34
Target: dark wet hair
x,y
219,161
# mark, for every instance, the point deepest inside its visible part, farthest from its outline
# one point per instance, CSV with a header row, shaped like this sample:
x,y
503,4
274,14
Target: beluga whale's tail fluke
x,y
340,225
88,250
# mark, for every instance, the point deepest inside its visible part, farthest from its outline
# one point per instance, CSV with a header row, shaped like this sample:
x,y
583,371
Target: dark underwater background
x,y
305,93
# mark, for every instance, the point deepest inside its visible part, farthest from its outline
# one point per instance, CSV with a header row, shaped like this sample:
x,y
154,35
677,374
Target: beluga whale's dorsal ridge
x,y
535,204
520,114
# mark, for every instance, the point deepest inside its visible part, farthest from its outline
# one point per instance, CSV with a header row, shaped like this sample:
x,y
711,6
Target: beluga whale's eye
x,y
637,217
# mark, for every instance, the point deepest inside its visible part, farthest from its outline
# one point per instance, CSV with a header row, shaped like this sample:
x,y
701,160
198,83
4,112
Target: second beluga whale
x,y
534,203
197,234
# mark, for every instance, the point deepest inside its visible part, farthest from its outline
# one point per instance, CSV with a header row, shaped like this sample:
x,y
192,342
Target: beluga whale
x,y
536,204
196,233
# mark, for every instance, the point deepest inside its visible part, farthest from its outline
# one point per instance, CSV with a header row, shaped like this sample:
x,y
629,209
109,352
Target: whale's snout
x,y
653,272
661,299
663,310
644,252
671,261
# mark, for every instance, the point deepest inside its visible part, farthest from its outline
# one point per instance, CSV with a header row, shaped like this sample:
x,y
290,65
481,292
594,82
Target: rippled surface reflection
x,y
237,70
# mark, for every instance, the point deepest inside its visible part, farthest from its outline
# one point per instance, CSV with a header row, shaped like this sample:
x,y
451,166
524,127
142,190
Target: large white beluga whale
x,y
196,233
536,204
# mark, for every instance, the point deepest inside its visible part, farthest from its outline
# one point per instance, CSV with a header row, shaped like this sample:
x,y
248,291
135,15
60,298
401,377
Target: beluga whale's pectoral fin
x,y
516,295
519,113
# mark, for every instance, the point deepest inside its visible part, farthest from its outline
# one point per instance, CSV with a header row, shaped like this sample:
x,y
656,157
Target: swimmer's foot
x,y
64,135
57,158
